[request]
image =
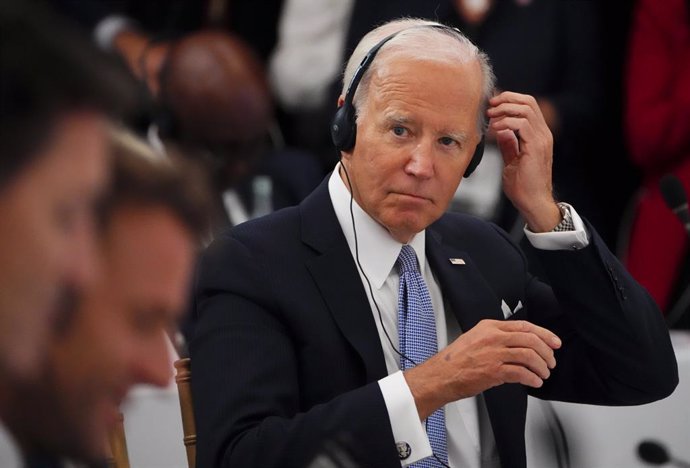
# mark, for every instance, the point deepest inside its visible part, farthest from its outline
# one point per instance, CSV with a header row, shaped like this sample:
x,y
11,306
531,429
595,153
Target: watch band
x,y
566,223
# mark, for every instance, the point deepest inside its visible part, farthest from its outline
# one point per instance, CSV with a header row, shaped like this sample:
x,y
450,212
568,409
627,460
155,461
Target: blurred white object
x,y
608,437
153,424
9,451
308,56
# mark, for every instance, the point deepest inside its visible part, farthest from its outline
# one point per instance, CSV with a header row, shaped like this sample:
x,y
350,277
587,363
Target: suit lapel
x,y
336,276
464,288
471,299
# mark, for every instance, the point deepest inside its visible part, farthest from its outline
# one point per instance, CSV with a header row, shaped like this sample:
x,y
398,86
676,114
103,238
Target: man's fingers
x,y
512,97
533,342
520,107
496,352
509,144
510,109
516,124
528,358
512,373
524,326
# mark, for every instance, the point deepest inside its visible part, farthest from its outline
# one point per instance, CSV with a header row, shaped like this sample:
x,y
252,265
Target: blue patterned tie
x,y
417,334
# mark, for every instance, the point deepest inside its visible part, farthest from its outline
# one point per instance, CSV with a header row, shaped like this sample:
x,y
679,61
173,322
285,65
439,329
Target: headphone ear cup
x,y
344,128
476,158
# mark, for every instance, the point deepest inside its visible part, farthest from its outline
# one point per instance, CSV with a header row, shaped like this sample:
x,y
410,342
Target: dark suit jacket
x,y
286,350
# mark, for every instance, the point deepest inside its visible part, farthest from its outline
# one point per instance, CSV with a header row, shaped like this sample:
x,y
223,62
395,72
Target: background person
x,y
214,103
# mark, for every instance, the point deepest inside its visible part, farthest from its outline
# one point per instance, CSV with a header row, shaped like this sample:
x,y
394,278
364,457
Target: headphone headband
x,y
344,125
369,57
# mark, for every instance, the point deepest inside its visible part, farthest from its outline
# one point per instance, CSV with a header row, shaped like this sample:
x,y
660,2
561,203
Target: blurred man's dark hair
x,y
48,69
141,178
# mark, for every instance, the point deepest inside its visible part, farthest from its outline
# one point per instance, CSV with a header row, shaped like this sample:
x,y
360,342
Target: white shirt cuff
x,y
563,240
404,418
108,28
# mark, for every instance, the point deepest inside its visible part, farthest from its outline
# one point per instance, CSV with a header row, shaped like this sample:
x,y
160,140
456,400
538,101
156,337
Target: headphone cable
x,y
373,299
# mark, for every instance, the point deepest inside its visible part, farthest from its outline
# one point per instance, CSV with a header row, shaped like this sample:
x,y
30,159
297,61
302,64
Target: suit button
x,y
404,450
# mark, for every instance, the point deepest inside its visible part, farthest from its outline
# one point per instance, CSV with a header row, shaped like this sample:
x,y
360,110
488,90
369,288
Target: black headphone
x,y
344,124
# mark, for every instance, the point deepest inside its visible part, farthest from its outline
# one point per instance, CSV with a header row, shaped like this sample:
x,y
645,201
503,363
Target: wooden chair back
x,y
117,445
183,379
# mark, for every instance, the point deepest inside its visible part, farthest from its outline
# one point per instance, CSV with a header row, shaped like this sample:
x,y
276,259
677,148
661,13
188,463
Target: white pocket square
x,y
506,309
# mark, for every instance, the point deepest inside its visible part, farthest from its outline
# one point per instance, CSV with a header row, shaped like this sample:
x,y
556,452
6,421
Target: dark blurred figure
x,y
215,104
141,32
214,86
215,107
55,96
150,224
658,134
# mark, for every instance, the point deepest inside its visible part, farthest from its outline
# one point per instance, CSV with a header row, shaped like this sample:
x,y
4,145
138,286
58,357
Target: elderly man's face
x,y
46,227
415,138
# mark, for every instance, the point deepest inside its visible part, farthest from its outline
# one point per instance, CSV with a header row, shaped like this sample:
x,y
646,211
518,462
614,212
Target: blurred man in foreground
x,y
371,312
56,93
150,224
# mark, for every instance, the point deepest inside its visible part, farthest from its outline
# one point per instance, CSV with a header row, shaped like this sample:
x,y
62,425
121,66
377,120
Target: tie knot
x,y
407,260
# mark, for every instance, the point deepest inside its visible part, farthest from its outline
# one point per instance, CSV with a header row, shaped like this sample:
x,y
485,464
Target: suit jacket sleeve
x,y
616,347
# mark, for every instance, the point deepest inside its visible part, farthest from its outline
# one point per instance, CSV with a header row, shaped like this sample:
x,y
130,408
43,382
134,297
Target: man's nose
x,y
421,162
153,365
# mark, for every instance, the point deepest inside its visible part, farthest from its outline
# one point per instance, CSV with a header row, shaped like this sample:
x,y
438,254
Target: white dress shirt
x,y
10,456
470,440
309,53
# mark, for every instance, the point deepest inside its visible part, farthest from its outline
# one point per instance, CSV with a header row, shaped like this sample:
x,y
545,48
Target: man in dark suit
x,y
304,328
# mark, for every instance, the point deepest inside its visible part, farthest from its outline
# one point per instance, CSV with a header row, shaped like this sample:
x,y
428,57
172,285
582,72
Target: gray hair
x,y
415,40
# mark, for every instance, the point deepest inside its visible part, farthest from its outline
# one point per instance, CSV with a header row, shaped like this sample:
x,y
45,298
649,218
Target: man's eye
x,y
446,141
399,131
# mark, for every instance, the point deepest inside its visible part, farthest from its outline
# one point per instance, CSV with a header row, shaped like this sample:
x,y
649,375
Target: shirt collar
x,y
378,251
